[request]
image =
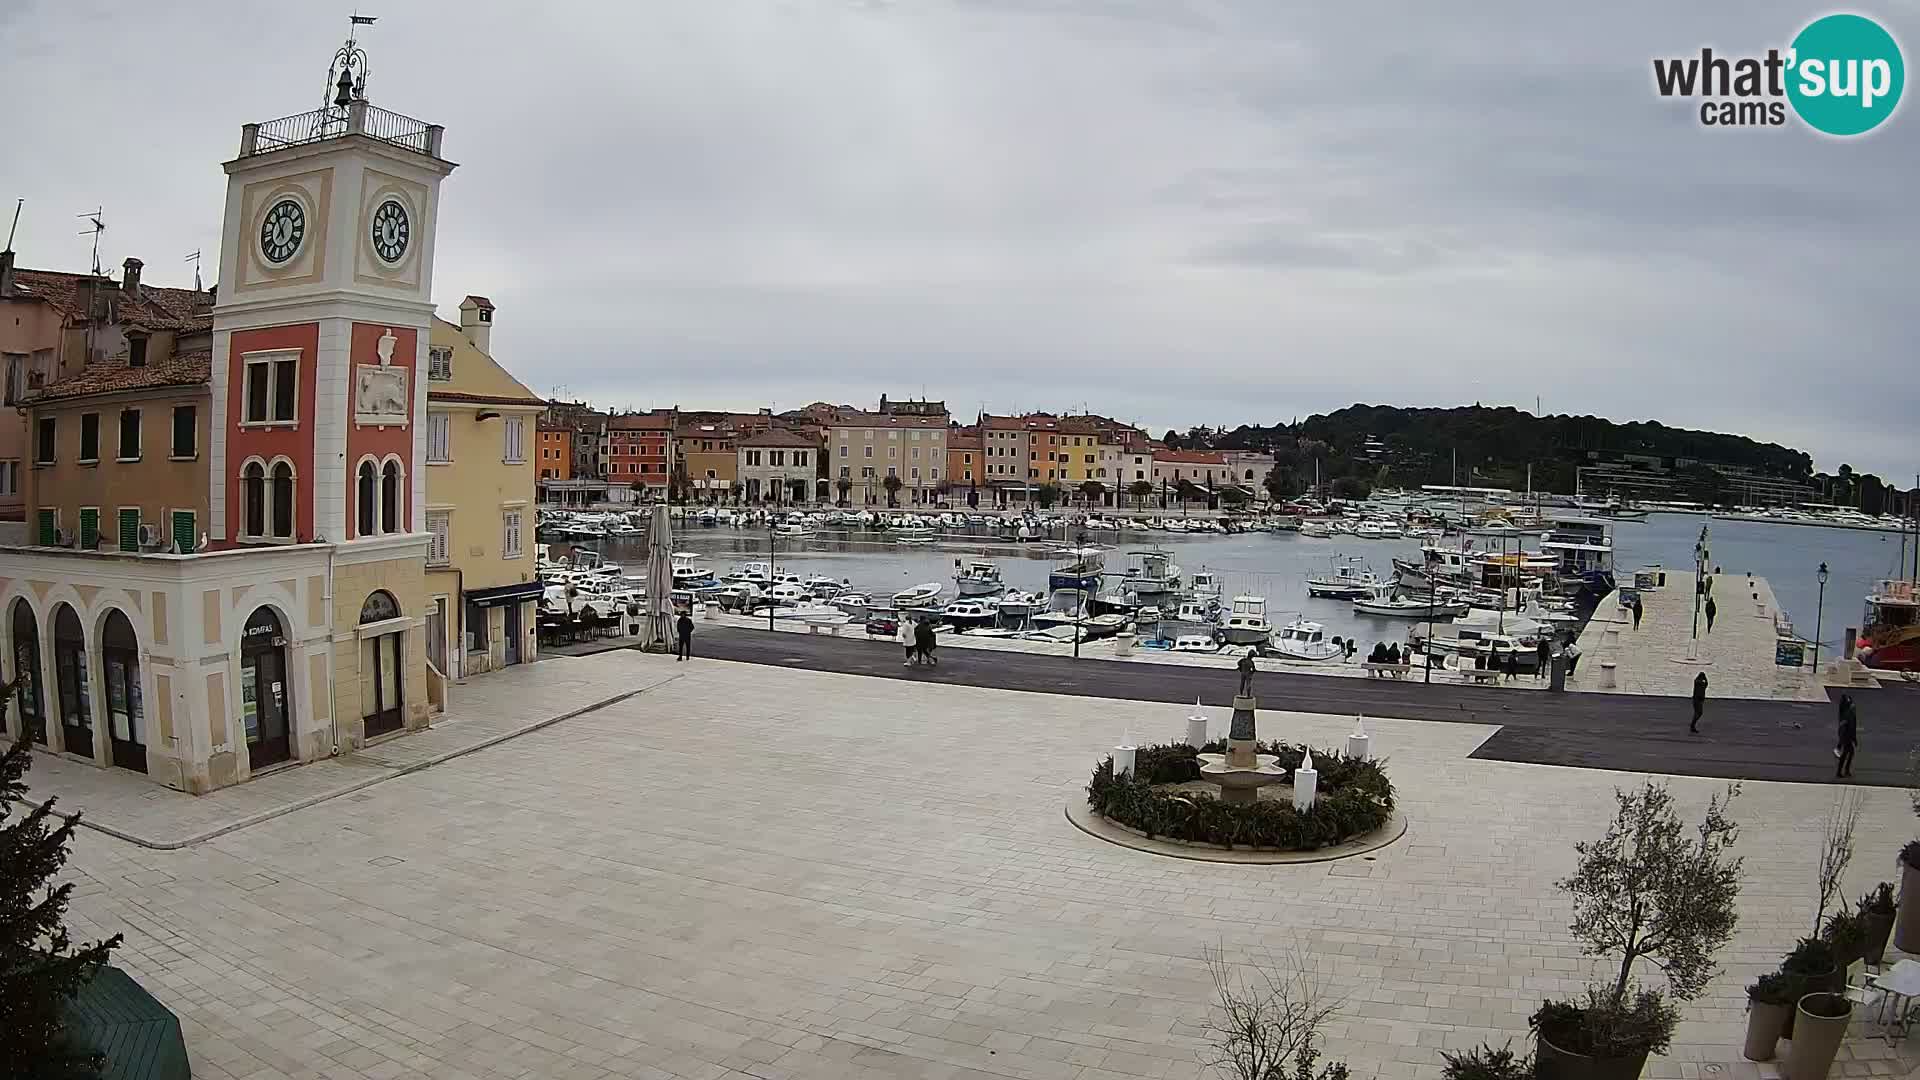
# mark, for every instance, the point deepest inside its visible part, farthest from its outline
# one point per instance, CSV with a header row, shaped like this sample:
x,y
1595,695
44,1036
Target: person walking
x,y
684,629
1513,665
1544,658
1849,738
1636,612
1573,657
1699,701
904,635
1710,609
923,641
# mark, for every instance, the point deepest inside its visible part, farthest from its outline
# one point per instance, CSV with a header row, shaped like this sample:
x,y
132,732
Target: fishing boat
x,y
793,530
1078,570
1302,639
1152,576
1206,585
915,534
788,594
1316,530
1246,622
1377,529
1347,579
1386,600
1090,627
687,573
1016,604
919,597
1891,640
855,604
971,614
977,577
1197,611
1200,643
1582,549
824,588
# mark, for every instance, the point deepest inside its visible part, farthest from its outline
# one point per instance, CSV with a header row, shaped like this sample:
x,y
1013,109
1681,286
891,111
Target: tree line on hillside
x,y
1375,445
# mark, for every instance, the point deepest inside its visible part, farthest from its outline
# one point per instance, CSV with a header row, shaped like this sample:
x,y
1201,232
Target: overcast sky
x,y
1173,212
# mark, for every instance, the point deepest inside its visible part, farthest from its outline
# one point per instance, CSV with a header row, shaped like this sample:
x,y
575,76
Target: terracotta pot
x,y
1765,1025
1878,928
1906,922
1817,1038
1553,1063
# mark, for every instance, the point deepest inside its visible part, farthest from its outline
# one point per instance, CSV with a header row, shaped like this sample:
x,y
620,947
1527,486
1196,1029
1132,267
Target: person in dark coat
x,y
923,641
1636,613
1699,701
1379,653
1393,654
1543,656
1710,610
1513,664
684,627
1849,737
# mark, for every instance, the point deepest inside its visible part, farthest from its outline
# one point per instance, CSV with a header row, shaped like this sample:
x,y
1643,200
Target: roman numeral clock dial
x,y
282,230
390,232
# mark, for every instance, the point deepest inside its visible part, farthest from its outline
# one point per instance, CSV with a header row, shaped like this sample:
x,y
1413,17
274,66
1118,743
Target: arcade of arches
x,y
204,681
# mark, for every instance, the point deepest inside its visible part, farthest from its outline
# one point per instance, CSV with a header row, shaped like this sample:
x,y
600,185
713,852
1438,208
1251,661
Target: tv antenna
x,y
17,204
99,222
194,258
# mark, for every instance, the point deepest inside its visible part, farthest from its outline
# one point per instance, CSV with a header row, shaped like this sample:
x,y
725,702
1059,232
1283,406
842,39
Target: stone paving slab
x,y
486,710
752,871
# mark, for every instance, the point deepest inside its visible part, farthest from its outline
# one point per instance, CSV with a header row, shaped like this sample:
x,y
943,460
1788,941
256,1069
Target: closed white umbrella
x,y
658,629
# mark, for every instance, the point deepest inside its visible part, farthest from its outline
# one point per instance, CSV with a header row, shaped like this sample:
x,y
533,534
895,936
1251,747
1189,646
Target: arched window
x,y
283,500
367,485
390,497
253,495
379,607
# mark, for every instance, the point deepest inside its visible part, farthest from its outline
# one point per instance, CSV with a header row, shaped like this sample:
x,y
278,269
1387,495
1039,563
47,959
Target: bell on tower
x,y
347,75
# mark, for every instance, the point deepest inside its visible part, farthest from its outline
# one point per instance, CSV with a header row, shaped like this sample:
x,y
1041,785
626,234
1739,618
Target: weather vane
x,y
347,75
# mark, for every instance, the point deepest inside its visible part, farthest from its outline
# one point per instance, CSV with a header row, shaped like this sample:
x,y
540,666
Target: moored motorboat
x,y
1246,622
971,614
919,597
1386,600
977,577
1347,579
1303,639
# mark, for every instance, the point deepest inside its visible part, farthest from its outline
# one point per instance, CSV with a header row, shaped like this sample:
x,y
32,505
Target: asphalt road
x,y
1739,739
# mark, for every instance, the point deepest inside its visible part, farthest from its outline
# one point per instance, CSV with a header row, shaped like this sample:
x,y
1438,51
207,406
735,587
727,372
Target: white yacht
x,y
1246,622
977,577
1305,640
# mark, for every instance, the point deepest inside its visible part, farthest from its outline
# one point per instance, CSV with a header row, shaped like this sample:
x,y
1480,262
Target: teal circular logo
x,y
1846,74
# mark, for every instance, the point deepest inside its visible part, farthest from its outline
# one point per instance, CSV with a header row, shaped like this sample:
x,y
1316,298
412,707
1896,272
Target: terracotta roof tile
x,y
778,437
481,399
858,419
156,308
184,369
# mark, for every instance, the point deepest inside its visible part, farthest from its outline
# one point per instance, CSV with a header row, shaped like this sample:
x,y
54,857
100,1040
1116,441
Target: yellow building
x,y
482,592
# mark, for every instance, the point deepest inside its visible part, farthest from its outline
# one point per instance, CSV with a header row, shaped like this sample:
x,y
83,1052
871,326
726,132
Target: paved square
x,y
755,872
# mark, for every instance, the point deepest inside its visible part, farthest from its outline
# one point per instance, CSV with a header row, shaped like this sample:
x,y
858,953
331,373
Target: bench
x,y
1387,671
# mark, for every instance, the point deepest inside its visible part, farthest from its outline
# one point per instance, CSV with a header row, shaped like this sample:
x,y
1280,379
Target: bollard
x,y
1197,730
1607,675
1122,645
1358,743
1123,760
1306,783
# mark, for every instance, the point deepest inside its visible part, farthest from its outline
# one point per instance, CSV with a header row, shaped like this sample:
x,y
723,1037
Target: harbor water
x,y
1275,565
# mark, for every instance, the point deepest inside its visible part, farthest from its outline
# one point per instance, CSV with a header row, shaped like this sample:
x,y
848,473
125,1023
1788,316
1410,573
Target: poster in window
x,y
249,703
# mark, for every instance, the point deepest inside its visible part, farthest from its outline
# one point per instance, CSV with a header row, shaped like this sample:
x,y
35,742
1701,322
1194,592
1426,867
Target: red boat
x,y
1891,640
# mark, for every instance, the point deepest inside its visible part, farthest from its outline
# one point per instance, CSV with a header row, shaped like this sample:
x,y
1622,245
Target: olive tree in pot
x,y
1876,913
1646,890
1906,925
1812,966
1770,1001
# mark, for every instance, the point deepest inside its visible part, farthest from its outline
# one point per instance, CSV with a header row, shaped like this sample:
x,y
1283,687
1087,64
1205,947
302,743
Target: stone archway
x,y
382,666
32,703
266,703
120,675
73,694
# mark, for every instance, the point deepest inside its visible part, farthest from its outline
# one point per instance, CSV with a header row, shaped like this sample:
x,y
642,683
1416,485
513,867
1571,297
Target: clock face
x,y
282,230
390,231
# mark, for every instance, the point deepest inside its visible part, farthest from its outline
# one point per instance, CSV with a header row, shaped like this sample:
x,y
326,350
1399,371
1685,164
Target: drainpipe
x,y
333,698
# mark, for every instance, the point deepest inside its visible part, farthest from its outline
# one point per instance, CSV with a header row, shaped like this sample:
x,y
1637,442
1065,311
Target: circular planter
x,y
1878,928
1766,1023
1833,981
1817,1036
1906,924
1553,1063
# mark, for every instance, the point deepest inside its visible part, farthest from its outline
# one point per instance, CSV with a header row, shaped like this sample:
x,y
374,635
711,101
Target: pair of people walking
x,y
916,636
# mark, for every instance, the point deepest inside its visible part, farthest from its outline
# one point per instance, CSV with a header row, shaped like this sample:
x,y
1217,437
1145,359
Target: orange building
x,y
966,470
555,458
640,450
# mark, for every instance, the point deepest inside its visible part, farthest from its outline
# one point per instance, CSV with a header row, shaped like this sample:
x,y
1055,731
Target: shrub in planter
x,y
1355,799
1485,1063
1906,926
1601,1037
1846,932
1821,1022
1813,966
1876,913
1770,1002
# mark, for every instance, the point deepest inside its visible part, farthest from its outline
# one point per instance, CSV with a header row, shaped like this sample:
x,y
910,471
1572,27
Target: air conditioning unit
x,y
150,537
62,538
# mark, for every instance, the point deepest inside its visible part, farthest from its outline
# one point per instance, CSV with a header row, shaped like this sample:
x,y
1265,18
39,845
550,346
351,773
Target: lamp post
x,y
1819,617
1699,573
771,576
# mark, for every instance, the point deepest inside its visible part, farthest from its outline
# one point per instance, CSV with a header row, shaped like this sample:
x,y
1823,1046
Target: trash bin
x,y
1557,673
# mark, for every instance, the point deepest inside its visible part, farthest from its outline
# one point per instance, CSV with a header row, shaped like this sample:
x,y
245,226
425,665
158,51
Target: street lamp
x,y
1819,617
771,576
1699,572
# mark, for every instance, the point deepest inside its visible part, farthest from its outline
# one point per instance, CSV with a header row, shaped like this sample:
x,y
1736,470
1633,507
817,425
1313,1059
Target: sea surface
x,y
1275,565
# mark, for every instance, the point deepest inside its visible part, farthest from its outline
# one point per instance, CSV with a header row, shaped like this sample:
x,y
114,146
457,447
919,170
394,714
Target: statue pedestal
x,y
1240,737
1240,772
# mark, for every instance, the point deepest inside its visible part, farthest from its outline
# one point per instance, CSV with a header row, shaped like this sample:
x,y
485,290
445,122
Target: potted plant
x,y
1906,928
1770,1002
1813,966
1486,1063
1644,890
1821,1022
1846,931
1876,912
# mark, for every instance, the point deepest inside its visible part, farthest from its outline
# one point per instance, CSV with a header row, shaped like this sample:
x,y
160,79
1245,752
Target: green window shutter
x,y
130,530
89,529
183,533
48,521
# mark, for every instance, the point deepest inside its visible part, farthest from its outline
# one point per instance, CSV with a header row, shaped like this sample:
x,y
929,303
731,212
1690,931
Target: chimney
x,y
130,279
6,273
476,321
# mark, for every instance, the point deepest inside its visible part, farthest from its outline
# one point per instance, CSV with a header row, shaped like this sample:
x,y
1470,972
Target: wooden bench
x,y
1479,675
1387,671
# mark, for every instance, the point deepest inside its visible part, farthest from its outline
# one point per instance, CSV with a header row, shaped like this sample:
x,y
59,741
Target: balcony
x,y
359,118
